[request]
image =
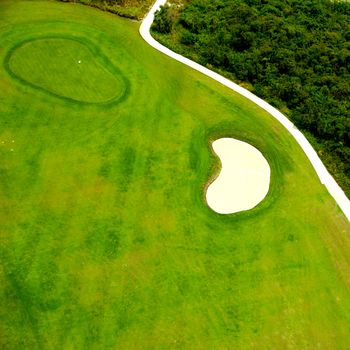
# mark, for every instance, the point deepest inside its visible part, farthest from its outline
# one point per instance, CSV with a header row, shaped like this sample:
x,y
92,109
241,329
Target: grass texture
x,y
106,241
65,68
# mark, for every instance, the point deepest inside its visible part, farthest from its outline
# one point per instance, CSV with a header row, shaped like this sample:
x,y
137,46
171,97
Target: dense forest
x,y
134,9
293,53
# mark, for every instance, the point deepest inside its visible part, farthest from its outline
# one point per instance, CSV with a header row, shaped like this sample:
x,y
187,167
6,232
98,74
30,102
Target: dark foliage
x,y
295,54
163,22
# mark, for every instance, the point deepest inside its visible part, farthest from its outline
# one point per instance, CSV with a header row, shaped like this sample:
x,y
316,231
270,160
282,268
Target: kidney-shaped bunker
x,y
244,178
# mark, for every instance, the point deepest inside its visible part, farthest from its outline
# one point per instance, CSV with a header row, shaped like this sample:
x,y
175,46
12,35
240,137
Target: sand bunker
x,y
244,178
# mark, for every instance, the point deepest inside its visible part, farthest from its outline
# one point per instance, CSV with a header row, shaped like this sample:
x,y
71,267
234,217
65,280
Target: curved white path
x,y
325,178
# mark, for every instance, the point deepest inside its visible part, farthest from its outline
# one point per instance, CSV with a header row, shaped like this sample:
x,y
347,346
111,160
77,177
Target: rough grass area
x,y
106,239
133,9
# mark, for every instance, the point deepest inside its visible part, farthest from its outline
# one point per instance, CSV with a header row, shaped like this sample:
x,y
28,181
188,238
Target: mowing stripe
x,y
326,179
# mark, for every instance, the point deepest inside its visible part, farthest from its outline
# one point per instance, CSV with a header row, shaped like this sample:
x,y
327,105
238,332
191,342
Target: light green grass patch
x,y
67,68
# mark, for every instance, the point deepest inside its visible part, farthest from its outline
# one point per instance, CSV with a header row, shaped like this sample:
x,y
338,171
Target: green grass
x,y
65,68
106,240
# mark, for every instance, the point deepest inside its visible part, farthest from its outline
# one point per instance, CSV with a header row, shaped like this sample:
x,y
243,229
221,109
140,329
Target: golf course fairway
x,y
106,239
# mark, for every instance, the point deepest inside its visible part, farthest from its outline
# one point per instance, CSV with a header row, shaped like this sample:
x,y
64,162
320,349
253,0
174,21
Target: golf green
x,y
66,68
106,241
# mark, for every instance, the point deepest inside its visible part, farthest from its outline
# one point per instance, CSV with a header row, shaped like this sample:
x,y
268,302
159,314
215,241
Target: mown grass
x,y
65,67
106,240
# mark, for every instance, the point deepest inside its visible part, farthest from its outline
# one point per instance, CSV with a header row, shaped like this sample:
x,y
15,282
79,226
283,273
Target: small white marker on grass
x,y
79,61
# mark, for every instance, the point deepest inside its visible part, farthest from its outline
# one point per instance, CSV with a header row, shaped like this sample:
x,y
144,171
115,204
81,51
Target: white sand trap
x,y
244,178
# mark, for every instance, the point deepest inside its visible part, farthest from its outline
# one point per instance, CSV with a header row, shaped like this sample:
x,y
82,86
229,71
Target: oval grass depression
x,y
84,75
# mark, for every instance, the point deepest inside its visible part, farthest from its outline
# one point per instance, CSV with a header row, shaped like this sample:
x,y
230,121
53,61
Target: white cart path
x,y
326,179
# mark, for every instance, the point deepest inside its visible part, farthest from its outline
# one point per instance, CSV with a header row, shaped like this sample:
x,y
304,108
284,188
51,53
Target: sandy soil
x,y
244,178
